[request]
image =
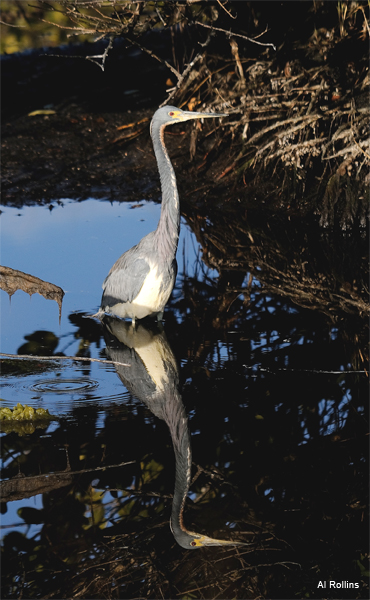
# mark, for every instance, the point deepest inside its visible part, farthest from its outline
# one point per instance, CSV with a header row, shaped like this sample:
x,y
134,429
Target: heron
x,y
141,281
145,363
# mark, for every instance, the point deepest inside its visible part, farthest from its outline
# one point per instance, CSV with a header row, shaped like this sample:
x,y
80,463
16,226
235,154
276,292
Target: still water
x,y
72,245
274,403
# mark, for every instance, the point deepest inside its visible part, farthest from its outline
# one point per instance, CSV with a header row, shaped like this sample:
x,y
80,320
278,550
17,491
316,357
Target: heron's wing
x,y
126,277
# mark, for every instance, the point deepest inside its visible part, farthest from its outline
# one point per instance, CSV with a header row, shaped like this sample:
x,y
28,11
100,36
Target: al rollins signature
x,y
338,585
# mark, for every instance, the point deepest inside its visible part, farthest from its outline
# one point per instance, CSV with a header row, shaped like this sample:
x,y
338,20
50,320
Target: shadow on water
x,y
270,395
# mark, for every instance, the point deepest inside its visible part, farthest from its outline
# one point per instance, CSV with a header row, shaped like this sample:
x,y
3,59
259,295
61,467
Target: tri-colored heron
x,y
147,367
141,281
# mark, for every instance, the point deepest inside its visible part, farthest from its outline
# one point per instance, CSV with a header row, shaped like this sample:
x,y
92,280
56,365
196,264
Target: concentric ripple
x,y
62,385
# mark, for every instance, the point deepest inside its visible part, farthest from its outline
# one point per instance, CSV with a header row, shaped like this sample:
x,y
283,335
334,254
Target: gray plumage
x,y
141,281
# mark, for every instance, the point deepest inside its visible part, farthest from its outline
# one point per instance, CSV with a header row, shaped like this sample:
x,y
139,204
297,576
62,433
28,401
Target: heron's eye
x,y
171,114
192,543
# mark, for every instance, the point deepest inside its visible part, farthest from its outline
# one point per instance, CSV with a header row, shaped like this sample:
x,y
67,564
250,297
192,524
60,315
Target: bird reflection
x,y
153,377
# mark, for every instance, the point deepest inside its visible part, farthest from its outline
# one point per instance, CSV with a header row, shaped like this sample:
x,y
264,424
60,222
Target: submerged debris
x,y
12,280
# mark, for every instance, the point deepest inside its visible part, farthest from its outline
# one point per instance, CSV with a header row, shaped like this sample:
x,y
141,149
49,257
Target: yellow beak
x,y
186,115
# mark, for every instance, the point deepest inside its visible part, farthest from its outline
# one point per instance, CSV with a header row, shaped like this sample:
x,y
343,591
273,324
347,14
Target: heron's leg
x,y
160,317
133,321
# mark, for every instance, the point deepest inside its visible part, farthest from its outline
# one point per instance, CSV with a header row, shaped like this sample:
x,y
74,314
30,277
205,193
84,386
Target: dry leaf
x,y
44,111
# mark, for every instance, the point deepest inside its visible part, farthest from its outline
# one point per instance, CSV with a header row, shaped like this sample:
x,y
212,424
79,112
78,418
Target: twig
x,y
91,58
182,77
362,150
317,371
11,25
226,11
186,71
161,60
160,17
303,118
50,358
349,150
79,471
81,30
231,33
292,148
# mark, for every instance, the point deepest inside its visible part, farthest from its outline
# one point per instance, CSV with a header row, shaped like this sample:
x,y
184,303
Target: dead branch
x,y
53,358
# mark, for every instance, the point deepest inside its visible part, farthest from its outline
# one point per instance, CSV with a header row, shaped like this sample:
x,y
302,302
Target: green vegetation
x,y
24,420
24,413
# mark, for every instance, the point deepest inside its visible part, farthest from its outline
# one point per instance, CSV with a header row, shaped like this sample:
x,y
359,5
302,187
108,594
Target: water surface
x,y
275,404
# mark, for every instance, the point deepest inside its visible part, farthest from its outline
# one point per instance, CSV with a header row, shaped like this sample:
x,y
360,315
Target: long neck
x,y
167,232
177,422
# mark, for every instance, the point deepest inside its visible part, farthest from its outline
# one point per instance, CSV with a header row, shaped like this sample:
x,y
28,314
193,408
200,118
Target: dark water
x,y
276,406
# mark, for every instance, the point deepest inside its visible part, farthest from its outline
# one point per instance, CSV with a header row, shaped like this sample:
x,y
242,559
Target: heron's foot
x,y
99,315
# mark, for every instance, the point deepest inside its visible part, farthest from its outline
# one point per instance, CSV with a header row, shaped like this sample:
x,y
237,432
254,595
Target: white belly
x,y
151,299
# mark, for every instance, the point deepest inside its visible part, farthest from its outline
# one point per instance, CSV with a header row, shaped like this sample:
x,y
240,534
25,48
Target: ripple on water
x,y
62,385
64,390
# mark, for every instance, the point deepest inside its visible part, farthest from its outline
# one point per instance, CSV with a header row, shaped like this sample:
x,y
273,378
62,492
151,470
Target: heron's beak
x,y
204,540
186,115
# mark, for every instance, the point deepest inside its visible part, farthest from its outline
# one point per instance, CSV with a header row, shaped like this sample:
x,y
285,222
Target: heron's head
x,y
171,114
191,540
